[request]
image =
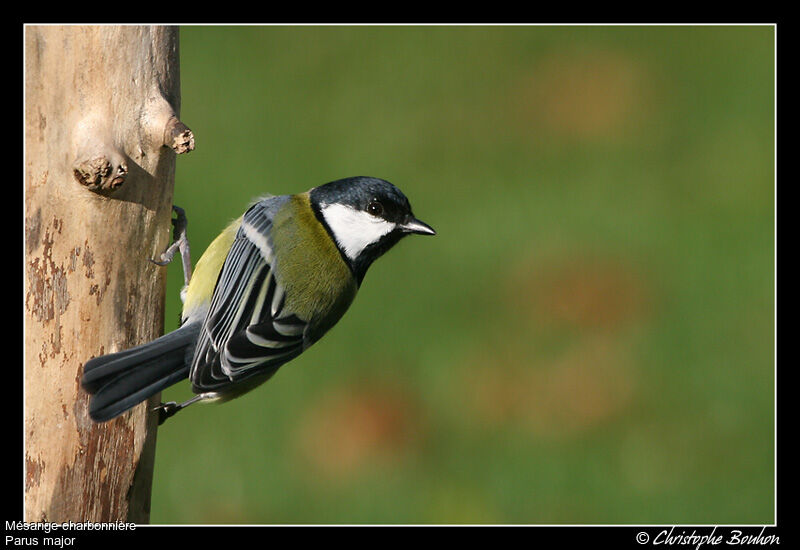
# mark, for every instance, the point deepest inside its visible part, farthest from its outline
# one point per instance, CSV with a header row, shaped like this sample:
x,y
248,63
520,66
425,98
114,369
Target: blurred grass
x,y
588,339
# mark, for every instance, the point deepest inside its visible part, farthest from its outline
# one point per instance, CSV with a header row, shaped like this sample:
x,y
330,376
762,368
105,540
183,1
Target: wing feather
x,y
246,332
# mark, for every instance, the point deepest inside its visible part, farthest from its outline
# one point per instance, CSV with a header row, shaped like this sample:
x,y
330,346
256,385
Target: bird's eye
x,y
375,208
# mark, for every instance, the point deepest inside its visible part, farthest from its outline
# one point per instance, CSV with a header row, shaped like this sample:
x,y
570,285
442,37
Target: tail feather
x,y
119,381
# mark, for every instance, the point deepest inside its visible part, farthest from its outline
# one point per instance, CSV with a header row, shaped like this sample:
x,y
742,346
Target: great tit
x,y
268,287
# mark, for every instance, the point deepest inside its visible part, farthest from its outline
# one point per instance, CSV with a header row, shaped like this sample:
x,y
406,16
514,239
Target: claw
x,y
160,262
166,410
179,223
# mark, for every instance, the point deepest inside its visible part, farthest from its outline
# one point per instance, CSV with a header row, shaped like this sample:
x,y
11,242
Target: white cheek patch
x,y
353,229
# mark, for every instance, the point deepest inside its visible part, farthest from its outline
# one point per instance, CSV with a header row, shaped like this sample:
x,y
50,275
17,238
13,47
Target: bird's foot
x,y
180,244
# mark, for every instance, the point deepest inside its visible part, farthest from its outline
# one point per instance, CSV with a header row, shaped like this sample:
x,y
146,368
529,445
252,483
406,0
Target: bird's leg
x,y
180,242
166,410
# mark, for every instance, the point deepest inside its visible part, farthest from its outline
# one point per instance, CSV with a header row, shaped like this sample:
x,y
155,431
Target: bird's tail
x,y
119,381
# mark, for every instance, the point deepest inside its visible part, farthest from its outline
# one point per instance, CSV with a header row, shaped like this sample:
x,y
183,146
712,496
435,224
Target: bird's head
x,y
366,217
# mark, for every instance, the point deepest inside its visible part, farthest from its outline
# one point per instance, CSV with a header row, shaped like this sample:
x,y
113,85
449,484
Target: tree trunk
x,y
101,132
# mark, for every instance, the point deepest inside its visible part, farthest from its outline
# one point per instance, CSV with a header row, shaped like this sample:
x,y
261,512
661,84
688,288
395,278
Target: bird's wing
x,y
247,331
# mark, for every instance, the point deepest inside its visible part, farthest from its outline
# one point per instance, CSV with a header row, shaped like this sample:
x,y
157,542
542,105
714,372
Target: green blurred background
x,y
590,336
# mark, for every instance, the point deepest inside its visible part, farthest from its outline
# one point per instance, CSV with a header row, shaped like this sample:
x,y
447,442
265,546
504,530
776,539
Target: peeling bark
x,y
101,106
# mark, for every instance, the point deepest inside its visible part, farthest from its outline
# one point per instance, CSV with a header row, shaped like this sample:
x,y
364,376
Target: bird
x,y
268,287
